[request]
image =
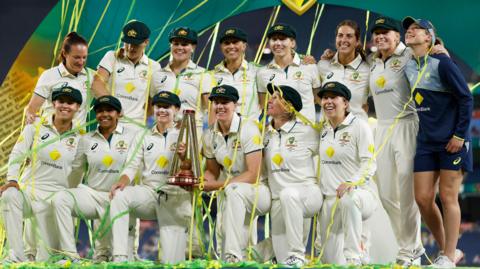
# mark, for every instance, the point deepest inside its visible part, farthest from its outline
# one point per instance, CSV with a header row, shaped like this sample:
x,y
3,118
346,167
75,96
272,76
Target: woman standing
x,y
286,68
233,149
444,104
153,198
348,66
347,165
128,74
48,146
183,77
71,71
290,147
235,71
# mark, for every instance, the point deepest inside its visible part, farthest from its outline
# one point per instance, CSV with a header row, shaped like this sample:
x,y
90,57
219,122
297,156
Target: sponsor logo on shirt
x,y
332,162
120,70
150,146
94,146
56,166
329,75
131,98
163,79
271,77
378,92
45,136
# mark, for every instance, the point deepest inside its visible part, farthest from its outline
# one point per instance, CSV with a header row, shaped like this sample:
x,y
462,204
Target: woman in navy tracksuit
x,y
444,104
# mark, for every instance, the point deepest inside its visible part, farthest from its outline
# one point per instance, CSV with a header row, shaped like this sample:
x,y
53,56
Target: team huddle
x,y
266,149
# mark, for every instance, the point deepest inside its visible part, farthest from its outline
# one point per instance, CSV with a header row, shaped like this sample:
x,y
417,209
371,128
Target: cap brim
x,y
383,27
272,88
107,104
236,38
224,96
183,38
269,35
165,101
133,41
407,21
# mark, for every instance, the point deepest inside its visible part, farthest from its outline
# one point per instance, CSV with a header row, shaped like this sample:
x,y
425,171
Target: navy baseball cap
x,y
224,91
165,97
289,94
68,91
336,88
135,32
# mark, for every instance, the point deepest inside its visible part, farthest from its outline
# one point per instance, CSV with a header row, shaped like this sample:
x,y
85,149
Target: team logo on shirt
x,y
143,74
291,143
355,76
70,142
94,146
121,69
150,146
329,75
344,139
45,136
396,64
271,77
236,144
298,75
121,146
188,76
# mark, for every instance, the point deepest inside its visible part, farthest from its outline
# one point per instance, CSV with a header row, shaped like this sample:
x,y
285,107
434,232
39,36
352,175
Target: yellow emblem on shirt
x,y
330,152
418,98
55,155
277,159
177,91
371,148
380,82
129,87
257,140
107,160
227,162
162,162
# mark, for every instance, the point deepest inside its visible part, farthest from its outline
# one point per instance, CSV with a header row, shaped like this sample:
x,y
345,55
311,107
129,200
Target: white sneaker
x,y
354,261
458,256
418,253
68,261
230,258
443,261
120,258
294,261
101,258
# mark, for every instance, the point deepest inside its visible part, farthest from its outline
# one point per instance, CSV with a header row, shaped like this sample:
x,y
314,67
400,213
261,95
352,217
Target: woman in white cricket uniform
x,y
286,68
153,198
348,66
128,74
391,94
235,71
102,153
71,71
185,78
233,148
48,147
289,149
347,165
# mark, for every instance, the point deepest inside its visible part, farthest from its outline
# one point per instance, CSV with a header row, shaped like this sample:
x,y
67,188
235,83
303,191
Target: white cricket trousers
x,y
17,205
236,213
82,202
172,211
345,239
395,182
288,213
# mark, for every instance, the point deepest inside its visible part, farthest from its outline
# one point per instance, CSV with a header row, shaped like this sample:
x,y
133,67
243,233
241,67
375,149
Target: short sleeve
x,y
207,147
43,88
251,138
315,76
108,61
206,82
261,85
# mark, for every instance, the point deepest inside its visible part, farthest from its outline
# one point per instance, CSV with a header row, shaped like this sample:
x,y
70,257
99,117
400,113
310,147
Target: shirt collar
x,y
287,127
221,67
353,64
191,65
48,122
349,119
296,62
234,126
118,130
64,71
156,132
399,50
